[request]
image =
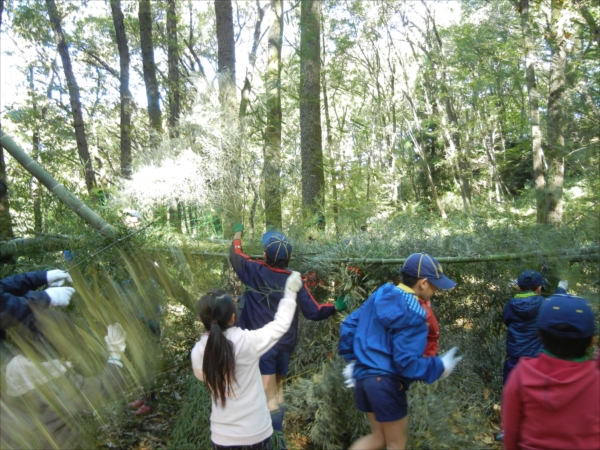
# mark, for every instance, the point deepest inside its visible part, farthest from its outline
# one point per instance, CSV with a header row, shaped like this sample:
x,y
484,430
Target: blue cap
x,y
423,265
277,246
530,278
565,309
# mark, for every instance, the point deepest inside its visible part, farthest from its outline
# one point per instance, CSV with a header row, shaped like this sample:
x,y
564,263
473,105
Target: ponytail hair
x,y
215,310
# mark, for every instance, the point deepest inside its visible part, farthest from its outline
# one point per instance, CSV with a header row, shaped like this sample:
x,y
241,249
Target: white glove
x,y
60,296
564,284
450,362
115,342
57,277
294,282
348,372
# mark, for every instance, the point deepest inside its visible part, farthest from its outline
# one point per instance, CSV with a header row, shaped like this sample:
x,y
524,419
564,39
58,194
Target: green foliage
x,y
192,428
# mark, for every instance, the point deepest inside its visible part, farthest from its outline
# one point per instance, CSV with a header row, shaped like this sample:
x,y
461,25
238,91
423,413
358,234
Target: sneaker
x,y
136,404
143,410
499,436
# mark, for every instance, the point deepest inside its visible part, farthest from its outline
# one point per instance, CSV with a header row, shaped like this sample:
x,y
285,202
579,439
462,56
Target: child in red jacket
x,y
551,401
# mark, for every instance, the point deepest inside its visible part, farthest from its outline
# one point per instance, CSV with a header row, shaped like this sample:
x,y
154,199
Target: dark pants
x,y
264,445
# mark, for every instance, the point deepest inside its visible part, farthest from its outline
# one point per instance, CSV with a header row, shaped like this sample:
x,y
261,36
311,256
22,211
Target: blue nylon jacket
x,y
520,315
387,336
264,290
16,293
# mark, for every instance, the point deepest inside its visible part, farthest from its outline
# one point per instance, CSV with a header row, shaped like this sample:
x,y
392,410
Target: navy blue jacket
x,y
387,336
520,315
264,290
16,294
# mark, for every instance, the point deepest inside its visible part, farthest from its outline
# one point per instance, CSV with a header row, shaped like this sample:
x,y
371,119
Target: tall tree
x,y
311,145
175,213
226,54
272,160
245,97
74,97
149,67
522,7
125,94
6,231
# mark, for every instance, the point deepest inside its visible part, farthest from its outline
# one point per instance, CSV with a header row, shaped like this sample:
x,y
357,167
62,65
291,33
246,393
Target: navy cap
x,y
565,309
423,265
277,246
530,278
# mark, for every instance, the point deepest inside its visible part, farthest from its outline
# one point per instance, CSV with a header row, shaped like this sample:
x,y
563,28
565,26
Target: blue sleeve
x,y
241,262
20,284
346,343
408,348
507,314
15,309
311,309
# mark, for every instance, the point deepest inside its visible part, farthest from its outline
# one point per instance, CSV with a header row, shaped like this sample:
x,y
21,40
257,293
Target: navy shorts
x,y
383,396
275,361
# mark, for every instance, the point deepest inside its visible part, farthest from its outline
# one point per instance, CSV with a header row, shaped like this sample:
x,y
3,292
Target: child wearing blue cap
x,y
386,340
265,282
553,401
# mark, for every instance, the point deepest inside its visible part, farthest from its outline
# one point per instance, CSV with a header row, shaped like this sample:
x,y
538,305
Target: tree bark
x,y
74,97
173,61
245,97
311,145
534,108
149,68
332,168
36,141
272,160
555,153
80,208
226,54
125,94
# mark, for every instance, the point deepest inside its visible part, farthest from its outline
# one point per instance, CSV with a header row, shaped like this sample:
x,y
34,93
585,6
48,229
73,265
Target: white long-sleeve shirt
x,y
245,419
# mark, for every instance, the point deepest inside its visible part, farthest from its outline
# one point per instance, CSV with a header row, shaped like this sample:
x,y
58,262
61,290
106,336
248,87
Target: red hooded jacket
x,y
551,403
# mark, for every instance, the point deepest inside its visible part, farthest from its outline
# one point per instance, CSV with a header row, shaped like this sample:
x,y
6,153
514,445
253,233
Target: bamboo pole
x,y
586,253
61,192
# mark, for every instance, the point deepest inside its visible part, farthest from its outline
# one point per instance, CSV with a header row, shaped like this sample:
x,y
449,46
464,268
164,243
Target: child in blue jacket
x,y
265,282
386,338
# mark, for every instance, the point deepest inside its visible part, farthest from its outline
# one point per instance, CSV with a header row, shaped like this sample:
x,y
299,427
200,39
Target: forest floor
x,y
124,430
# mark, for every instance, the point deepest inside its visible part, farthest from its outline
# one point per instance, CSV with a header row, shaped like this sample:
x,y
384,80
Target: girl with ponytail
x,y
226,359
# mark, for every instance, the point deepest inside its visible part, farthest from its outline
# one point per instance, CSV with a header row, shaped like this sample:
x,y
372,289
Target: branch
x,y
101,62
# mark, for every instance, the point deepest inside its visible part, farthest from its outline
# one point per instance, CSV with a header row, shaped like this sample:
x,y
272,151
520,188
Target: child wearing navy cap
x,y
386,339
265,282
553,401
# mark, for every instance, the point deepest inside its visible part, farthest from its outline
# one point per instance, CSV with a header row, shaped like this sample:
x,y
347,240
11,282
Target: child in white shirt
x,y
226,359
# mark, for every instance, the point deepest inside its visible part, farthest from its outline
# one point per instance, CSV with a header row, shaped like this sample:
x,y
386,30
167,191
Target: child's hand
x,y
450,362
294,282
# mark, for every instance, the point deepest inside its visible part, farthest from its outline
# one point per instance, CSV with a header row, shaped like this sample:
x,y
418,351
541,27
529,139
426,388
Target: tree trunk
x,y
332,161
63,50
125,94
534,109
149,68
245,98
173,60
311,145
555,152
36,141
226,54
272,163
6,231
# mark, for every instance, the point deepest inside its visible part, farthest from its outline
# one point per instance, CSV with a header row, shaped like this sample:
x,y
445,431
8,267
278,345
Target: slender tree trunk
x,y
556,116
272,163
76,110
245,98
149,68
125,94
311,146
173,61
34,184
534,109
6,231
226,54
332,161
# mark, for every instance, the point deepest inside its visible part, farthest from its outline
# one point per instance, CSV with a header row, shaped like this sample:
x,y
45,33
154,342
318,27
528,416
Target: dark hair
x,y
3,189
215,310
528,288
279,264
409,280
568,348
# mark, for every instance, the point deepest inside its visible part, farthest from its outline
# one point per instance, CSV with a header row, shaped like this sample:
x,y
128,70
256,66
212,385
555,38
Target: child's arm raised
x,y
266,337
